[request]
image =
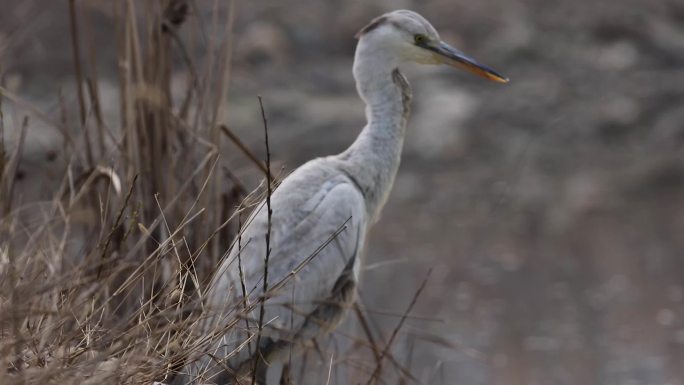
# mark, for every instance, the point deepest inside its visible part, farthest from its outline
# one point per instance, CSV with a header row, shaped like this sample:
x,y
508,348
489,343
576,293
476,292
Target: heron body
x,y
321,214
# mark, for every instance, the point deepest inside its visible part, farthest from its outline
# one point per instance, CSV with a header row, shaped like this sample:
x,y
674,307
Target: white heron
x,y
321,214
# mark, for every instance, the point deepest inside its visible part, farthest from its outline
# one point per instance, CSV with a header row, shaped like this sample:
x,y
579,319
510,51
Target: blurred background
x,y
550,209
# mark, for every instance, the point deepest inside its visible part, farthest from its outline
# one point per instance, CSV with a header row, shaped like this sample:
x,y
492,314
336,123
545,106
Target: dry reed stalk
x,y
101,311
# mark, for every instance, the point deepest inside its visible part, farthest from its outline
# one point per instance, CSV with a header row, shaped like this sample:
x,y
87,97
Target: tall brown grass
x,y
101,288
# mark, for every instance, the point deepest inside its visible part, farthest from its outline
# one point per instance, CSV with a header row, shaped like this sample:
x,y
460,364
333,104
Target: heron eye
x,y
420,39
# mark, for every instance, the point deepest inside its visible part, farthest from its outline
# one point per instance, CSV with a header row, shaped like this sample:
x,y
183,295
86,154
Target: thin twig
x,y
242,278
245,150
378,368
367,331
268,242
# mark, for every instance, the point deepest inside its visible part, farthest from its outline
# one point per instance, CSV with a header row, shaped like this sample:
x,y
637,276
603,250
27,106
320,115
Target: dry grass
x,y
100,284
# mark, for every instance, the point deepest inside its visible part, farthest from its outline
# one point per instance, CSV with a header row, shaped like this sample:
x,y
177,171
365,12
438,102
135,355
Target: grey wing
x,y
318,258
315,244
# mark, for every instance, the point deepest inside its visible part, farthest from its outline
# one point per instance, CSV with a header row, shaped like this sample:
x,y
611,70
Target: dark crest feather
x,y
375,23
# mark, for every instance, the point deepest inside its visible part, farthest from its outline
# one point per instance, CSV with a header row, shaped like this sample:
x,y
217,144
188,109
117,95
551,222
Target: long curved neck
x,y
373,159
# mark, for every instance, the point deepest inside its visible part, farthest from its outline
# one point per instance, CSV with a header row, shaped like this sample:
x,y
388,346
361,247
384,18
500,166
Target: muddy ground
x,y
550,209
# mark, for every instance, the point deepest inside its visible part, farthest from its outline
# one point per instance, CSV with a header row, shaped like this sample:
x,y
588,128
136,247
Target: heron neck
x,y
373,159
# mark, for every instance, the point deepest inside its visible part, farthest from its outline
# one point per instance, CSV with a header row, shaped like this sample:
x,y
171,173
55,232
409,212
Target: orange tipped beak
x,y
449,55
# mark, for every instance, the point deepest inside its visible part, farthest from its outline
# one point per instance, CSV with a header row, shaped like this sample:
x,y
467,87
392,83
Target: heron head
x,y
412,38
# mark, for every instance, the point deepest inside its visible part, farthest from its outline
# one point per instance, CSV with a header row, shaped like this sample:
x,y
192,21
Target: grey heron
x,y
321,214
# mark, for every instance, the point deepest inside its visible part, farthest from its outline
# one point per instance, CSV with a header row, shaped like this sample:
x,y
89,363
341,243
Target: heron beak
x,y
446,54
